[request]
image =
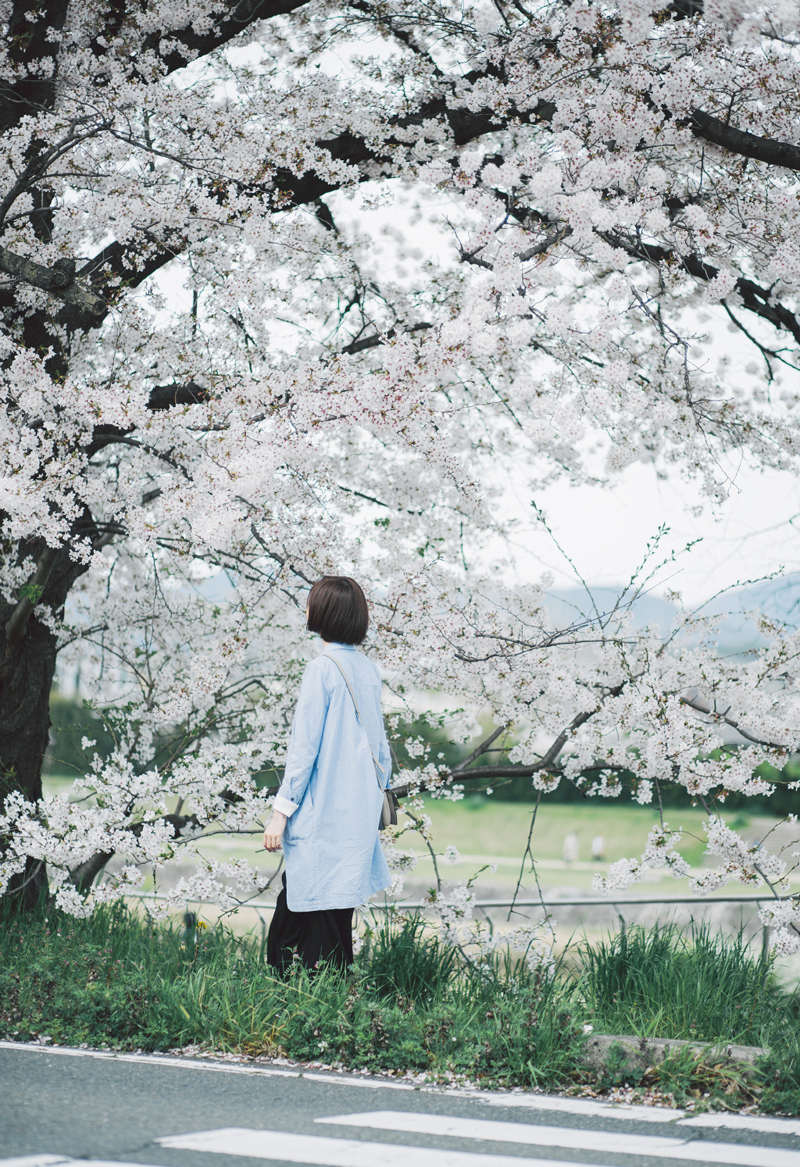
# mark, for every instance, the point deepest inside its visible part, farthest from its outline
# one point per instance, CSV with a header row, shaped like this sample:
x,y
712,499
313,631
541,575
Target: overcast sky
x,y
605,530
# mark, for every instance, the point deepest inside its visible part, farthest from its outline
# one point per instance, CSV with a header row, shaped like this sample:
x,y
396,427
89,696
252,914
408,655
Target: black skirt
x,y
309,937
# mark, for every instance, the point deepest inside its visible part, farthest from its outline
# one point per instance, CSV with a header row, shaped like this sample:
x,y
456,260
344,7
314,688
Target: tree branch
x,y
746,145
481,749
84,875
31,592
189,393
358,346
754,298
58,280
161,397
32,35
508,771
240,15
701,707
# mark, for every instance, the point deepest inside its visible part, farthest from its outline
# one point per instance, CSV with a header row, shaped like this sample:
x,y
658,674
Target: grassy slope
x,y
500,829
115,980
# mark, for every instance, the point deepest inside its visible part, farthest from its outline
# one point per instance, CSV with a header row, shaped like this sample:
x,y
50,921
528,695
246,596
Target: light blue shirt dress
x,y
329,792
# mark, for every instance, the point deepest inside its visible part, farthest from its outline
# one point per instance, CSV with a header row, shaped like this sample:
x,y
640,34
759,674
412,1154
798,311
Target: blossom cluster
x,y
339,306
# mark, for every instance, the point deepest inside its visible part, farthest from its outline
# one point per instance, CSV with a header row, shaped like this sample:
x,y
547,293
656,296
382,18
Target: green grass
x,y
410,1003
115,981
405,960
665,982
478,826
700,986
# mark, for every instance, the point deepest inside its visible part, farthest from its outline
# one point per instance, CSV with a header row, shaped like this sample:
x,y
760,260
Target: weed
x,y
405,962
663,983
779,1070
705,1079
406,1005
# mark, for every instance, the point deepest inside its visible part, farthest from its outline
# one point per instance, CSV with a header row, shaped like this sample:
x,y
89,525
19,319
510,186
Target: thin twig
x,y
529,853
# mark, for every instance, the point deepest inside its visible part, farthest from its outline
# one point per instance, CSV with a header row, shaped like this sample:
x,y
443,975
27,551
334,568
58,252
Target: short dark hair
x,y
337,610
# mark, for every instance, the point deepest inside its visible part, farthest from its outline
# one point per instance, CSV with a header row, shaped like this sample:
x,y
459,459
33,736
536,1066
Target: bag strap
x,y
378,766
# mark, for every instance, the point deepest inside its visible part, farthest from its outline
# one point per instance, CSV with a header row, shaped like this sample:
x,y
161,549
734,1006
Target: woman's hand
x,y
274,831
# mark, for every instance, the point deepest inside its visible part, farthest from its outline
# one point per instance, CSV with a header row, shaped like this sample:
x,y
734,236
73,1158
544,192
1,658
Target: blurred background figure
x,y
598,848
570,852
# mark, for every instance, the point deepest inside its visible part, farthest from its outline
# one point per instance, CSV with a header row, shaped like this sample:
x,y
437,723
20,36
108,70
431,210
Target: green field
x,y
500,829
486,832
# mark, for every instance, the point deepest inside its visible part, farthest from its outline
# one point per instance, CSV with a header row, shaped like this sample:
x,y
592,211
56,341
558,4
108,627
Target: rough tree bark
x,y
27,664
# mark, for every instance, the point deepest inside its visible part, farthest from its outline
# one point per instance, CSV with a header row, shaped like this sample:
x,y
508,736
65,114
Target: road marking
x,y
509,1132
745,1122
35,1161
187,1063
531,1134
586,1106
337,1152
52,1160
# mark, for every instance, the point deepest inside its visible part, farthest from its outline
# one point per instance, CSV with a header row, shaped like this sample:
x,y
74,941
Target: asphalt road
x,y
60,1105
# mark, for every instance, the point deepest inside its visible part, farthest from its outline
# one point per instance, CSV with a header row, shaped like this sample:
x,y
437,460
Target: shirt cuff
x,y
284,805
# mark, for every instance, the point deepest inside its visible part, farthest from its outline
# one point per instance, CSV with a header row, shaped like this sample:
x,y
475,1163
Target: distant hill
x,y
778,599
569,605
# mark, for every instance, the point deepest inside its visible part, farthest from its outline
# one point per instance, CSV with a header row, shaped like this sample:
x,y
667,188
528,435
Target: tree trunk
x,y
27,664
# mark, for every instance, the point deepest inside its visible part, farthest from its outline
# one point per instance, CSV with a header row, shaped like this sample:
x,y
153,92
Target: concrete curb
x,y
642,1052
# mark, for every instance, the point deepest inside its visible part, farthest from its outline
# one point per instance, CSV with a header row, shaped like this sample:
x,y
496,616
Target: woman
x,y
326,813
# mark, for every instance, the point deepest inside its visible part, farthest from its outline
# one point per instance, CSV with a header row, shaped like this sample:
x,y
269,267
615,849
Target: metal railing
x,y
617,905
567,902
571,902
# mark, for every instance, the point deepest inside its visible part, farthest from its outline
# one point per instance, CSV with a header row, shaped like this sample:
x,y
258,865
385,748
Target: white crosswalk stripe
x,y
745,1122
587,1107
533,1134
63,1161
312,1149
624,1112
327,1151
35,1161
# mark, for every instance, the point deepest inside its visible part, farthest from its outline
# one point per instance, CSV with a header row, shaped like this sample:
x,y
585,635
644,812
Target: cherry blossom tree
x,y
290,288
